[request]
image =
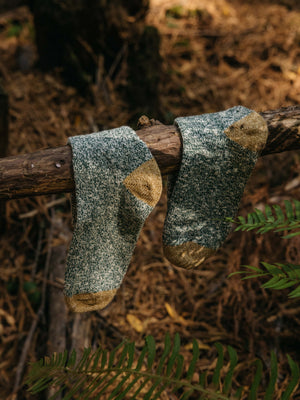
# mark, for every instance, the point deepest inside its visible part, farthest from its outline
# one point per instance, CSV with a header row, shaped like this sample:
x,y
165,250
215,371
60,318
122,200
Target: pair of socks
x,y
118,183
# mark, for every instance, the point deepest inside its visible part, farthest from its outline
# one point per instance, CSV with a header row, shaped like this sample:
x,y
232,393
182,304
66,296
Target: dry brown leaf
x,y
135,322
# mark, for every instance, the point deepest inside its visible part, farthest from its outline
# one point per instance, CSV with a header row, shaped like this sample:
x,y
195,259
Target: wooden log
x,y
50,170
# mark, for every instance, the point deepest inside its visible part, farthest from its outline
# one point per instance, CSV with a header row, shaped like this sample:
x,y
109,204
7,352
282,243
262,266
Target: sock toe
x,y
84,302
188,255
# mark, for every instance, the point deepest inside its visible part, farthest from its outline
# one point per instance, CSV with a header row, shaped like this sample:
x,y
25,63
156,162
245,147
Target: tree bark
x,y
50,171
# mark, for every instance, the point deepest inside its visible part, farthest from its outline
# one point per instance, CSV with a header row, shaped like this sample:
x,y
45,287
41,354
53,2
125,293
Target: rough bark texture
x,y
50,171
284,129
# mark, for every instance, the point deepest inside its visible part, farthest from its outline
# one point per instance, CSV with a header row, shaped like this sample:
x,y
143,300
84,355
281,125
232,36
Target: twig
x,y
37,251
36,211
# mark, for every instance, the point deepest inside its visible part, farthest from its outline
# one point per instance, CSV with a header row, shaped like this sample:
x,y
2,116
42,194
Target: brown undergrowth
x,y
215,56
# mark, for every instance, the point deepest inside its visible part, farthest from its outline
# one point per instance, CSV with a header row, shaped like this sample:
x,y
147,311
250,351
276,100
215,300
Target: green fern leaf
x,y
260,215
87,379
195,358
273,283
187,394
94,384
141,359
279,213
179,367
273,377
253,217
127,389
297,209
282,276
174,354
272,219
295,378
96,357
131,347
85,357
165,353
242,220
151,350
238,394
122,356
141,387
202,379
233,363
269,214
217,372
295,293
252,276
272,269
256,380
293,271
117,389
289,210
291,235
111,358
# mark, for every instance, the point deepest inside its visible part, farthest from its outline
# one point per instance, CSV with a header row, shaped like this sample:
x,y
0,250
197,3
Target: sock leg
x,y
219,153
117,184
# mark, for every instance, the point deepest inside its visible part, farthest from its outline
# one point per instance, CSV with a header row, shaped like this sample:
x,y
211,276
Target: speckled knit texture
x,y
219,153
117,184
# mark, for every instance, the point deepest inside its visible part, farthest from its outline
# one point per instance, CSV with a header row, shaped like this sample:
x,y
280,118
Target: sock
x,y
219,153
117,184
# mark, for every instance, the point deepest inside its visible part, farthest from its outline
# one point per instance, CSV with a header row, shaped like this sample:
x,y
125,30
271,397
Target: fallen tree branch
x,y
50,170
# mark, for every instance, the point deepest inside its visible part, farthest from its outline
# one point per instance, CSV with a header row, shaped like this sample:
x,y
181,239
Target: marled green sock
x,y
117,184
219,153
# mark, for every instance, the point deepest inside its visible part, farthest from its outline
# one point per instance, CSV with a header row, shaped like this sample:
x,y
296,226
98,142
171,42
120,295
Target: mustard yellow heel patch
x,y
145,182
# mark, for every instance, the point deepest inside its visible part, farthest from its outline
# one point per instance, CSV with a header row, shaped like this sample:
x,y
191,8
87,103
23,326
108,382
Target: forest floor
x,y
216,54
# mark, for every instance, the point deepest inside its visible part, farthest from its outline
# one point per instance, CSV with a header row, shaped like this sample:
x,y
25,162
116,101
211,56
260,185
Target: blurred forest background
x,y
74,67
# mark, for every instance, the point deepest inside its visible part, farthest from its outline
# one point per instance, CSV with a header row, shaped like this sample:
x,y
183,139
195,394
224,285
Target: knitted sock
x,y
117,184
219,153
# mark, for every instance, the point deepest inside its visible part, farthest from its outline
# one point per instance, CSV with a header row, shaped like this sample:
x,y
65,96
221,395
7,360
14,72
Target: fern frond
x,y
119,375
282,276
273,218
